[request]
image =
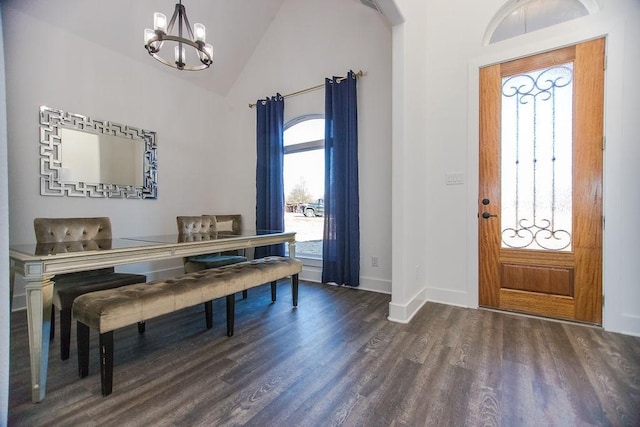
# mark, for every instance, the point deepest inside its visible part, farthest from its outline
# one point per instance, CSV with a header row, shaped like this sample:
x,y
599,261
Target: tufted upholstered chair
x,y
58,235
206,227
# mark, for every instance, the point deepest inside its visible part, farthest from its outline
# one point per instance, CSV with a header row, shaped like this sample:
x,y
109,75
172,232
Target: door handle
x,y
487,215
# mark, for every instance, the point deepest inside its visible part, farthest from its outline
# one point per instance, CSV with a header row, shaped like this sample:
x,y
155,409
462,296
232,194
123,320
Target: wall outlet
x,y
374,261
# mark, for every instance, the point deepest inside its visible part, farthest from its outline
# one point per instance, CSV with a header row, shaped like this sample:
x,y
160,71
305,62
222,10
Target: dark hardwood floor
x,y
337,360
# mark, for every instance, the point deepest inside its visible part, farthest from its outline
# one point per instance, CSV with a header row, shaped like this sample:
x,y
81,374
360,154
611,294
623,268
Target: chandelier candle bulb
x,y
209,49
160,22
180,54
199,32
149,39
148,35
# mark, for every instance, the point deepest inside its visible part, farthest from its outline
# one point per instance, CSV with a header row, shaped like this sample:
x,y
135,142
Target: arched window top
x,y
303,129
519,17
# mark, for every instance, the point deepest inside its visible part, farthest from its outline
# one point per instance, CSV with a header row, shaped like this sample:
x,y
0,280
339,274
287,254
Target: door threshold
x,y
534,316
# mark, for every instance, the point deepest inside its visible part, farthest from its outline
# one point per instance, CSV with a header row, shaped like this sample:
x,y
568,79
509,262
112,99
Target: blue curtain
x,y
341,244
269,170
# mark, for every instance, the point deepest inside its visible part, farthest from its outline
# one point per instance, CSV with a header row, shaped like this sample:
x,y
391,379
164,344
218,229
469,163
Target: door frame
x,y
528,45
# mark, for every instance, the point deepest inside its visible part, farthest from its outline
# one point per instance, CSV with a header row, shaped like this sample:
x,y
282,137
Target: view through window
x,y
304,184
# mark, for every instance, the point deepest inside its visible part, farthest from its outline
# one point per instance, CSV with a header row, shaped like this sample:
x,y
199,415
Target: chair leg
x,y
244,294
52,331
83,349
65,333
208,313
231,308
106,362
294,289
142,326
273,291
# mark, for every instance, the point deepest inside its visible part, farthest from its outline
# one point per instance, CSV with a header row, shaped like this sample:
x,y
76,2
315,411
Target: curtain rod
x,y
311,89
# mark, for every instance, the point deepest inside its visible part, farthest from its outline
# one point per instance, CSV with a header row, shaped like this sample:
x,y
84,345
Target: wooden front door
x,y
540,196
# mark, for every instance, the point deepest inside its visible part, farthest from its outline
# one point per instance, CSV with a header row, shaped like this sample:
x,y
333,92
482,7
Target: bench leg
x,y
208,313
273,291
142,326
294,289
83,349
231,309
244,294
106,362
65,332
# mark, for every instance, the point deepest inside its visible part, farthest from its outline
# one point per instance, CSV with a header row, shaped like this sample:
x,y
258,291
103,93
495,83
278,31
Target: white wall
x,y
75,75
206,144
308,41
437,52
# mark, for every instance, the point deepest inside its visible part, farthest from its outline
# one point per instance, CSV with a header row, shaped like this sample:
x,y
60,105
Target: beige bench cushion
x,y
115,308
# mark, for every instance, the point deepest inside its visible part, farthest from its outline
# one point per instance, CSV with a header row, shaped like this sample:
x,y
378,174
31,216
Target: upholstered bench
x,y
112,309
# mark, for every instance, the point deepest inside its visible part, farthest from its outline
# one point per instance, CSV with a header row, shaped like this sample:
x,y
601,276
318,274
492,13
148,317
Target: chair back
x,y
60,235
196,225
208,227
227,223
55,230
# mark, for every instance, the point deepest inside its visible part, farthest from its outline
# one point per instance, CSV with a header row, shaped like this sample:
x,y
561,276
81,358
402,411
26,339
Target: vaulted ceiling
x,y
234,27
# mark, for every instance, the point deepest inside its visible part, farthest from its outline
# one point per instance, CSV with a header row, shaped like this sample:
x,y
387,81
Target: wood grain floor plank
x,y
337,360
572,376
605,375
483,406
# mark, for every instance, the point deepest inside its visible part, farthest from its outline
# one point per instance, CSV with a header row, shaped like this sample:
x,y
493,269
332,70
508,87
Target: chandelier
x,y
155,39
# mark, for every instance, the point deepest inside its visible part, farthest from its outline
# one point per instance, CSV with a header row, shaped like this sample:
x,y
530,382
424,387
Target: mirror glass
x,y
93,158
80,156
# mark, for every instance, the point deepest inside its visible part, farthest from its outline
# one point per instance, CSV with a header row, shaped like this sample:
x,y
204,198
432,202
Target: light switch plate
x,y
454,178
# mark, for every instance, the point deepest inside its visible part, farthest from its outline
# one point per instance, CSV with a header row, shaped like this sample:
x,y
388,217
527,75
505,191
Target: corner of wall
x,y
403,313
4,244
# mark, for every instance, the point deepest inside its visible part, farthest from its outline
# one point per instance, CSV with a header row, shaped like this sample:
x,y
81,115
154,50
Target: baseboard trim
x,y
631,324
372,284
403,313
447,296
314,274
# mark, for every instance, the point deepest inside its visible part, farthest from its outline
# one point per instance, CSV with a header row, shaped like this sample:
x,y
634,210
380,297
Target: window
x,y
519,17
304,183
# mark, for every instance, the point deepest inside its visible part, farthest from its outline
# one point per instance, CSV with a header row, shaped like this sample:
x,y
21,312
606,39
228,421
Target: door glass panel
x,y
536,159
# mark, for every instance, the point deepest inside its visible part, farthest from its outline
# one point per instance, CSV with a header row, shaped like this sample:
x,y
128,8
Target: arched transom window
x,y
519,17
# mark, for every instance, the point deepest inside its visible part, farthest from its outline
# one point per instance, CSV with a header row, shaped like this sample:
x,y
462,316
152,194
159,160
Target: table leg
x,y
39,297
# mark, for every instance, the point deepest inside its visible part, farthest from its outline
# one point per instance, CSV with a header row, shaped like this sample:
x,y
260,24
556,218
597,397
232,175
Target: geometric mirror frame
x,y
85,157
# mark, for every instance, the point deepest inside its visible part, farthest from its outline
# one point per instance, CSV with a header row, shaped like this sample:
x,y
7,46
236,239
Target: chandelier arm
x,y
186,21
172,21
179,40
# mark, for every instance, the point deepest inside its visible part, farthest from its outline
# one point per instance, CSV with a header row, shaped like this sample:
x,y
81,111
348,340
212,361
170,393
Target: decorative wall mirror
x,y
83,157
